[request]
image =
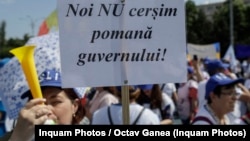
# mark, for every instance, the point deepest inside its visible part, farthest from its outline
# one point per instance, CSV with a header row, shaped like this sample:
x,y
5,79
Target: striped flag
x,y
49,24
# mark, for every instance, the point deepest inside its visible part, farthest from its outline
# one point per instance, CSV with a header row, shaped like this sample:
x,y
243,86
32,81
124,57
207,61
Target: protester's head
x,y
64,102
215,66
151,93
133,90
206,59
220,90
147,89
190,73
110,89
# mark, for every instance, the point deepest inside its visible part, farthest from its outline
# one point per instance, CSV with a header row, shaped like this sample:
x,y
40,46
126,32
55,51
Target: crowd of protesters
x,y
210,82
212,95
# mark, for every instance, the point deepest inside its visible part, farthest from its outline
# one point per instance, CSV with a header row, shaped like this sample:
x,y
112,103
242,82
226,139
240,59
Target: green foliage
x,y
15,42
2,33
201,30
12,43
4,52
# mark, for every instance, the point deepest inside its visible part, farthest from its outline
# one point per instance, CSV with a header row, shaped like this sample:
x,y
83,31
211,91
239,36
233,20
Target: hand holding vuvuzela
x,y
25,56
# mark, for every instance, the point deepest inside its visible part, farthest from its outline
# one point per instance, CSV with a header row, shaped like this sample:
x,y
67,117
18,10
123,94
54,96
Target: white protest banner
x,y
113,42
202,51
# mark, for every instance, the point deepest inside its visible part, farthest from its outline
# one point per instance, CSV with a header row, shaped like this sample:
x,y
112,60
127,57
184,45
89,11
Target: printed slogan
x,y
122,39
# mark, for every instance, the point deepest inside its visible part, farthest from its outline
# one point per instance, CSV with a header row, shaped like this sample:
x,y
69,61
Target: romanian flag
x,y
49,24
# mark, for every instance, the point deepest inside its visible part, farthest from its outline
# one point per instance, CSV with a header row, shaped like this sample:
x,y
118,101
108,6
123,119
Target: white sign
x,y
113,42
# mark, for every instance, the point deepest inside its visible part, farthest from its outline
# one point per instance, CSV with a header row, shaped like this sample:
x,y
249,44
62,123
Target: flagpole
x,y
231,23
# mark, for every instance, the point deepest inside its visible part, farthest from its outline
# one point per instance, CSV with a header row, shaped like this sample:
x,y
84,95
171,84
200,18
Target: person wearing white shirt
x,y
219,89
113,114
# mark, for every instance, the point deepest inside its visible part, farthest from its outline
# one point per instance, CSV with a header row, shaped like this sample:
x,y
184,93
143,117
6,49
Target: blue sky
x,y
198,2
20,14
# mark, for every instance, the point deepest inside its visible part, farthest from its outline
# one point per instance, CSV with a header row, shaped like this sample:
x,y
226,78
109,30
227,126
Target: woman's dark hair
x,y
134,92
156,97
81,111
111,89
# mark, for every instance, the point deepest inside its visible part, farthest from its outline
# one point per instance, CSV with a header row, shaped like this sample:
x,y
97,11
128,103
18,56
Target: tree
x,y
13,43
203,29
191,13
240,21
199,28
247,25
221,23
2,33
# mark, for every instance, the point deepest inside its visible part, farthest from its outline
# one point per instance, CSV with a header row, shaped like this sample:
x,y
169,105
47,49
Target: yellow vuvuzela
x,y
25,56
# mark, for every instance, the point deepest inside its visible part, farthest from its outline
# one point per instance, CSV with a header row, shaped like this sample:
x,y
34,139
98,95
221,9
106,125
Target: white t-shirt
x,y
205,75
101,99
9,124
240,107
169,89
167,105
201,93
168,102
204,112
183,103
116,111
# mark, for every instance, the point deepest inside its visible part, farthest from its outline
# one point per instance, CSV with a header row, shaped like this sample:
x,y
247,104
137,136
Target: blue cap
x,y
50,78
190,70
206,60
146,86
215,64
219,79
53,78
